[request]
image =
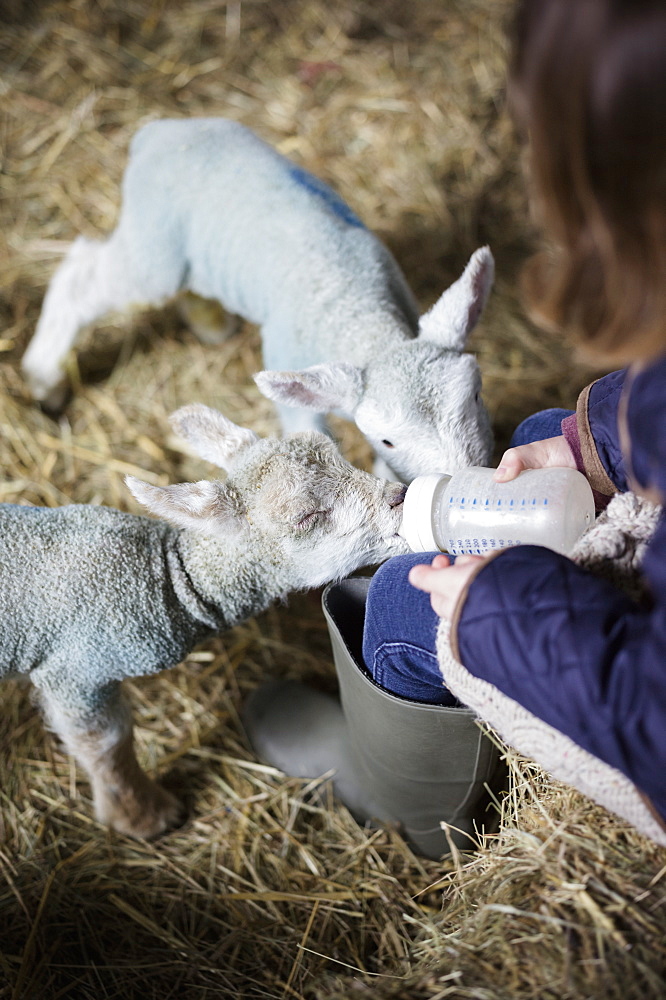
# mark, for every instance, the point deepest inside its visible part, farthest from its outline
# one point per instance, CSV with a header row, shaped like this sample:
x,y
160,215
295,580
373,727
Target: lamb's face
x,y
422,410
293,503
315,511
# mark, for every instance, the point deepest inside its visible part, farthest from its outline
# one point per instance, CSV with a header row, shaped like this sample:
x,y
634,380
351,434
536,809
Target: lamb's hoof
x,y
52,399
143,816
55,403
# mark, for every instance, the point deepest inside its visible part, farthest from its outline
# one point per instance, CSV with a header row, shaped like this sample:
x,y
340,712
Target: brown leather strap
x,y
596,474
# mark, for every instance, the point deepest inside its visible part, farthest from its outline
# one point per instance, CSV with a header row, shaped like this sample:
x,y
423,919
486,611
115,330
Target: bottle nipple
x,y
417,528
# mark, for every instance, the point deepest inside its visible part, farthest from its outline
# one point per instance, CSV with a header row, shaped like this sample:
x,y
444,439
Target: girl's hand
x,y
551,453
443,581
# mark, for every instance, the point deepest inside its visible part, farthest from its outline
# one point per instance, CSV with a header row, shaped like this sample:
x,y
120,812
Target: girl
x,y
588,89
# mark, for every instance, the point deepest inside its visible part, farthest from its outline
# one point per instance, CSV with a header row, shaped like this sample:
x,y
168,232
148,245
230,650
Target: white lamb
x,y
91,595
210,208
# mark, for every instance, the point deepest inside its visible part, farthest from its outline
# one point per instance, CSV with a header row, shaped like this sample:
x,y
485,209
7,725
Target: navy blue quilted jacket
x,y
566,645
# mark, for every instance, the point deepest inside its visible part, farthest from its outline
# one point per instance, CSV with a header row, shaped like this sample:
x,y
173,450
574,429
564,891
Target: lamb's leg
x,y
383,470
207,319
294,419
125,797
94,278
277,356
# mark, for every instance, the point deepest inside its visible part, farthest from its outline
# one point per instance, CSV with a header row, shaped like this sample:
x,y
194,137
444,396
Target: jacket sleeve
x,y
577,653
594,435
643,428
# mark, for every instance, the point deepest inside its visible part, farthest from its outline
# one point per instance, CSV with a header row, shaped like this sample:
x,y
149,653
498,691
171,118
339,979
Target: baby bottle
x,y
469,512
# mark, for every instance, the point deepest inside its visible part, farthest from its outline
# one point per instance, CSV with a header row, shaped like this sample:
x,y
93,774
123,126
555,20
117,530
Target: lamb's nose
x,y
398,496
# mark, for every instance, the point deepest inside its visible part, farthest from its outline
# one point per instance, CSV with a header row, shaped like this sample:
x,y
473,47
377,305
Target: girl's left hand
x,y
445,581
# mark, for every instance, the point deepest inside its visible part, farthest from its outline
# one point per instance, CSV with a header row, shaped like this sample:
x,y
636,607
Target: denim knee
x,y
400,633
539,426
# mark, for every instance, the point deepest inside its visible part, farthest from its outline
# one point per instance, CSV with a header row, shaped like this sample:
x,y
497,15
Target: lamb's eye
x,y
388,444
307,520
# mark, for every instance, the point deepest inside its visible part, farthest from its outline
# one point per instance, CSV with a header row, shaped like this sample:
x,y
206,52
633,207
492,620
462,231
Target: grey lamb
x,y
209,208
91,595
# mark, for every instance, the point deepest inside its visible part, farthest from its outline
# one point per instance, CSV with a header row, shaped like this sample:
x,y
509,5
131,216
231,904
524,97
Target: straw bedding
x,y
270,889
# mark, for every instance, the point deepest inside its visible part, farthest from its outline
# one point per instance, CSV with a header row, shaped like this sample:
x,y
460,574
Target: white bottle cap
x,y
417,526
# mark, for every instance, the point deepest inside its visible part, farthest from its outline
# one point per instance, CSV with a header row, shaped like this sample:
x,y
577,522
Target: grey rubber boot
x,y
394,760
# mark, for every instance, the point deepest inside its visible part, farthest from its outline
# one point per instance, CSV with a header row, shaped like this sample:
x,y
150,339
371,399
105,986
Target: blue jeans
x,y
400,628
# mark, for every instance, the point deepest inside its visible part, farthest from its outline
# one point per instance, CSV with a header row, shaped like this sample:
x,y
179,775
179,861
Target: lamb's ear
x,y
323,388
210,434
204,506
455,314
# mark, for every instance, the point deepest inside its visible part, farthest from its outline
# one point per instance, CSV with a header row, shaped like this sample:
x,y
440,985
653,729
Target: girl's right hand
x,y
553,452
445,581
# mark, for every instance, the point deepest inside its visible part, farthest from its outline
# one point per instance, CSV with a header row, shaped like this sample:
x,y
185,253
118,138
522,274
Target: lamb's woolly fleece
x,y
209,206
95,595
90,595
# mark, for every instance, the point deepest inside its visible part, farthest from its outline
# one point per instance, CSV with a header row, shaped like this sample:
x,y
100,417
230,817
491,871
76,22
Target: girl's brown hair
x,y
588,88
